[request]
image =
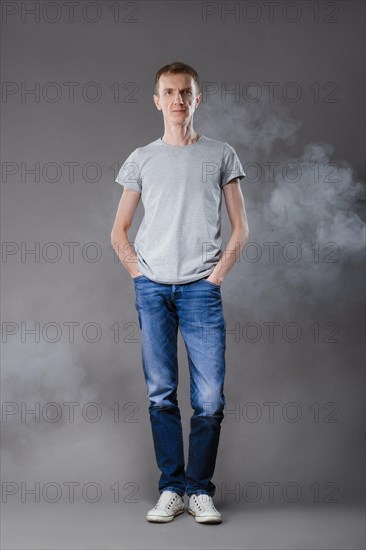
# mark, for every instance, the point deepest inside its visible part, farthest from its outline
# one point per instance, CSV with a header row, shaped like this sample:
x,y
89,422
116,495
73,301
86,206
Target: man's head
x,y
177,92
176,68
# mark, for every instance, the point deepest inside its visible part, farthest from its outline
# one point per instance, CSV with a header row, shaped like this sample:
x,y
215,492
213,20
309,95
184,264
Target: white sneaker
x,y
168,506
202,507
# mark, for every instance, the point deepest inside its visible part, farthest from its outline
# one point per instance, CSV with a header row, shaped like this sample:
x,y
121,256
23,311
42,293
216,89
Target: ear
x,y
157,102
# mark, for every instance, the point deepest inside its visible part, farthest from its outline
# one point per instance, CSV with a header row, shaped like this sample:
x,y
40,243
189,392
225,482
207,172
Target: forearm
x,y
231,254
125,251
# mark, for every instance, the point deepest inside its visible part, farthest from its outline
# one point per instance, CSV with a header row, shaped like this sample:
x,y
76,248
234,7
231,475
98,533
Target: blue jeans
x,y
196,308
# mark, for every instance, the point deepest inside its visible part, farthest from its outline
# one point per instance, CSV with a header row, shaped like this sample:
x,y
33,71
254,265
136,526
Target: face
x,y
177,97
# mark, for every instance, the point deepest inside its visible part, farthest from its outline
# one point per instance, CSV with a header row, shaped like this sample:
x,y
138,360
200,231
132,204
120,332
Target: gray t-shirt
x,y
179,239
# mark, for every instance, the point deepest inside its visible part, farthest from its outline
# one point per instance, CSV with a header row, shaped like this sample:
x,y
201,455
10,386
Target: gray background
x,y
321,457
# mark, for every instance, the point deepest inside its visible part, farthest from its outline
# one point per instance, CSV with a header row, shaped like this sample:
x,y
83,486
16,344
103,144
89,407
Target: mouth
x,y
179,111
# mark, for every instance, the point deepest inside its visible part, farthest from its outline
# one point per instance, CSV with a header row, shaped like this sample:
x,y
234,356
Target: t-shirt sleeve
x,y
231,166
129,174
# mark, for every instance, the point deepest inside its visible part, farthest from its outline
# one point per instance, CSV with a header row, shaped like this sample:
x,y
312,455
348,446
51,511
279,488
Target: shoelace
x,y
210,502
162,498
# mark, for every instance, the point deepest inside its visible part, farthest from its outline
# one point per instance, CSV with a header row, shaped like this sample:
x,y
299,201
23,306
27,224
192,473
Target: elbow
x,y
245,238
119,233
246,234
245,230
242,232
115,236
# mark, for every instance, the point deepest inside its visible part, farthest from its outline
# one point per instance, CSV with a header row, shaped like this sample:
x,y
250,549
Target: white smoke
x,y
306,206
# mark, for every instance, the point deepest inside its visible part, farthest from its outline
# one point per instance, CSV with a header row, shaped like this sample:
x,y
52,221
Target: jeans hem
x,y
199,492
173,489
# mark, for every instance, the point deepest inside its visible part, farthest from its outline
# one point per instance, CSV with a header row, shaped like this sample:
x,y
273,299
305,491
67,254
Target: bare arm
x,y
122,223
239,231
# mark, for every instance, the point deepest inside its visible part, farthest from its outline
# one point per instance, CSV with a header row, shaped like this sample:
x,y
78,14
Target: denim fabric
x,y
196,308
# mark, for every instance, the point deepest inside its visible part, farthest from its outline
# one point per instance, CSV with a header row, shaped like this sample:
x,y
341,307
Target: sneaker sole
x,y
163,519
203,519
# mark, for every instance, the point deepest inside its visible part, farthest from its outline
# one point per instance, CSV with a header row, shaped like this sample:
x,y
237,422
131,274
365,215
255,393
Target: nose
x,y
178,98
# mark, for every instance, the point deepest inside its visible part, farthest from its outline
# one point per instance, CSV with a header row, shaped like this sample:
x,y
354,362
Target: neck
x,y
186,138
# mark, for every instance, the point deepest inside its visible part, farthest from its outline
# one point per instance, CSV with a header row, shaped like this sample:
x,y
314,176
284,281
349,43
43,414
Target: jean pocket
x,y
211,283
138,277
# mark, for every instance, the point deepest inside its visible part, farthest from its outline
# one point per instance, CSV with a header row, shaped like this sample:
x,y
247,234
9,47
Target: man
x,y
178,267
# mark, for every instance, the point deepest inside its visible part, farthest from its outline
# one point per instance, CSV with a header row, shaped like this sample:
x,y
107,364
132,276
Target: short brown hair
x,y
174,68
